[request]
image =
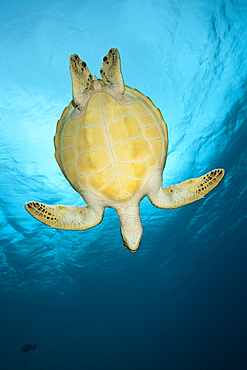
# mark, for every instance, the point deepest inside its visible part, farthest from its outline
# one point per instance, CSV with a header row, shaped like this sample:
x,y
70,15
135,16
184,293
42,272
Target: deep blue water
x,y
180,301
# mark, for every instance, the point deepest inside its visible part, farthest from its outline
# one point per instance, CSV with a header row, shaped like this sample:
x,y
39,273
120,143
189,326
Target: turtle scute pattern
x,y
112,148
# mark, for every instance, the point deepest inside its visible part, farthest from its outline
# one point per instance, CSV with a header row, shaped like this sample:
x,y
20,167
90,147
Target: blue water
x,y
180,301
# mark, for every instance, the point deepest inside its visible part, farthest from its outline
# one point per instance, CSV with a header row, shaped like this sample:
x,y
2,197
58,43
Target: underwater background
x,y
88,303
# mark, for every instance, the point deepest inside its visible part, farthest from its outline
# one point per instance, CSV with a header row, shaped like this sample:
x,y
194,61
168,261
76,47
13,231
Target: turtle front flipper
x,y
111,73
189,191
82,81
64,217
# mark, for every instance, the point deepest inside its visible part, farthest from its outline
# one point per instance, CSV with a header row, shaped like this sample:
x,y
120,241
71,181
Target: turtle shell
x,y
112,148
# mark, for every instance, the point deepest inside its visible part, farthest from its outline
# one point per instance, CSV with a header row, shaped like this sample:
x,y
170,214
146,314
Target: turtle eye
x,y
125,245
124,242
74,104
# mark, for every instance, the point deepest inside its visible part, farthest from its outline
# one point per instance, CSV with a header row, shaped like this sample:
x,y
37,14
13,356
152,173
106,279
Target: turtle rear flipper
x,y
189,191
82,82
111,73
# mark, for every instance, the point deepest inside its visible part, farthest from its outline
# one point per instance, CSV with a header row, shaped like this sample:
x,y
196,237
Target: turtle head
x,y
131,245
131,232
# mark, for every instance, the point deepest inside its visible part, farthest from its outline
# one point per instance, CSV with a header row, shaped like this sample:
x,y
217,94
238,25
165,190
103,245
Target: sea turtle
x,y
111,145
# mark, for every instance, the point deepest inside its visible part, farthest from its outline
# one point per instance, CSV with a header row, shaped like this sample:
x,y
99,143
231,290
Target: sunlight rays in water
x,y
197,80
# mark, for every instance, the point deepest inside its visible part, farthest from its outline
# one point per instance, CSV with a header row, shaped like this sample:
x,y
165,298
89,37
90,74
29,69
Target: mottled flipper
x,y
189,191
111,73
82,81
64,217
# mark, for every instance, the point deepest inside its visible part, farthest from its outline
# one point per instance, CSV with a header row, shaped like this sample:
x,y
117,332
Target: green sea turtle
x,y
111,145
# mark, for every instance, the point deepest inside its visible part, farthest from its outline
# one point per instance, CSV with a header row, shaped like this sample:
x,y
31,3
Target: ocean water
x,y
180,302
